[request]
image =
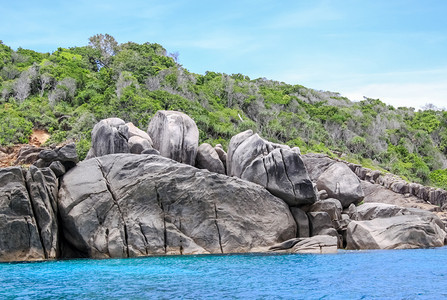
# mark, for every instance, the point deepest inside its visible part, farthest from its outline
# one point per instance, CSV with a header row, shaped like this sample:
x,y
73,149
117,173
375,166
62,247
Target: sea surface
x,y
386,274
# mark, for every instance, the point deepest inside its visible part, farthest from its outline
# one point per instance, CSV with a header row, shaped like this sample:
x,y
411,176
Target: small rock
x,y
138,144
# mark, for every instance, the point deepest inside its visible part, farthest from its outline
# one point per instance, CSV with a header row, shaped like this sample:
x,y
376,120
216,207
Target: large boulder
x,y
19,233
370,211
208,158
341,183
276,167
321,224
175,135
316,164
135,205
43,188
399,232
109,136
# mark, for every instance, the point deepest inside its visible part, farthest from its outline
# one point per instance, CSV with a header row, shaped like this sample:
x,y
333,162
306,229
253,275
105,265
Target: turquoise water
x,y
395,274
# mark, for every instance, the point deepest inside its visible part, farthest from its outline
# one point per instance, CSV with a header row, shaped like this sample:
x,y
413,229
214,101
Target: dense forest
x,y
68,91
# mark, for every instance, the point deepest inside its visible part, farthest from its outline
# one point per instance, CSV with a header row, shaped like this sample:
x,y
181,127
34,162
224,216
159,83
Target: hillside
x,y
68,91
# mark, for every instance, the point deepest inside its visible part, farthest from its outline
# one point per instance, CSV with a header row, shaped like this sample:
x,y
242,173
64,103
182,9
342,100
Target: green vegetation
x,y
68,91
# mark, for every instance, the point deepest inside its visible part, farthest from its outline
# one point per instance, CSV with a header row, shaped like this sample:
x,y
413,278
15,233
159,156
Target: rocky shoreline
x,y
159,193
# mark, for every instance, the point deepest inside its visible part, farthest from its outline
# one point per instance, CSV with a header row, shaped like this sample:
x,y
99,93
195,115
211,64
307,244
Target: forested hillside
x,y
68,91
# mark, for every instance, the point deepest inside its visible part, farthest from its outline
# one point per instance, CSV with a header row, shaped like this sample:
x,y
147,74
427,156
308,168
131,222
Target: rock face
x,y
28,228
316,164
278,168
136,205
208,158
43,188
341,183
302,222
399,232
175,135
109,136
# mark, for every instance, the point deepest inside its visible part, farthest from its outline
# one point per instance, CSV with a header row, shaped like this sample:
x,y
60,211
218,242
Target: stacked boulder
x,y
386,226
175,136
276,167
113,135
59,160
191,199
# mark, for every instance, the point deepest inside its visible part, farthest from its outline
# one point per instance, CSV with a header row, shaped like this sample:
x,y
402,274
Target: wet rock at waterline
x,y
319,244
399,232
136,205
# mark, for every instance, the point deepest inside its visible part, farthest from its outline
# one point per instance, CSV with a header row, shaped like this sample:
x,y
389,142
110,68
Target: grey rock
x,y
28,155
379,194
135,205
67,154
276,167
332,207
370,211
48,155
320,244
345,220
316,164
110,136
43,187
208,158
302,222
322,195
341,183
138,144
399,232
19,235
151,151
244,148
222,155
319,221
235,142
58,168
175,135
135,131
283,173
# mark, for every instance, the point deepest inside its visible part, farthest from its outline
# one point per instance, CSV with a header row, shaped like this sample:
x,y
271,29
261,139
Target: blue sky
x,y
393,50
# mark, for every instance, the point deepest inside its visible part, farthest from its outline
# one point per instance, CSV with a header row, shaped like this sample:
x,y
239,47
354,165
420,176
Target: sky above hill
x,y
395,50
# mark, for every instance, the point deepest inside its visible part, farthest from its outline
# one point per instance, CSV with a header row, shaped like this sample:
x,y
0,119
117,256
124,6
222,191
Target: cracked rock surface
x,y
175,135
126,205
28,228
276,167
